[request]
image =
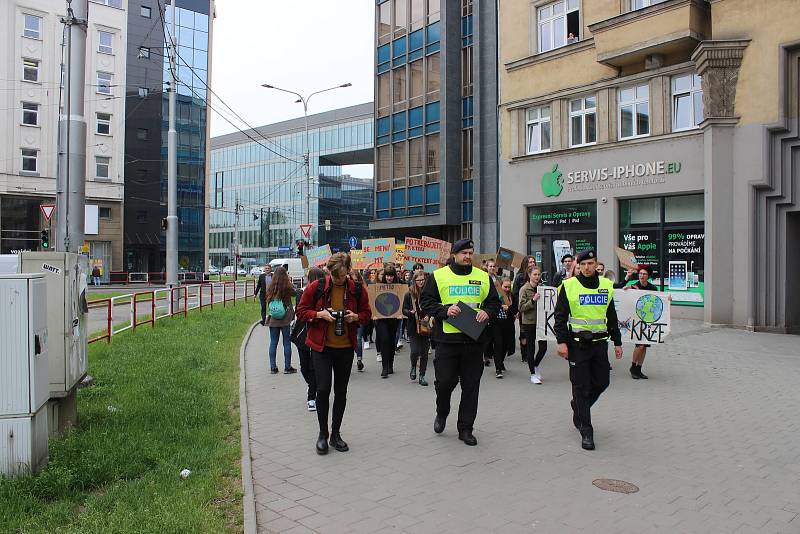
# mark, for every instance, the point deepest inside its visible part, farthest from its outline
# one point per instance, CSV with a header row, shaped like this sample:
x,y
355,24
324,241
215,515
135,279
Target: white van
x,y
294,266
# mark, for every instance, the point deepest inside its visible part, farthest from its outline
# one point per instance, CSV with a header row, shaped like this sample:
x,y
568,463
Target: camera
x,y
338,315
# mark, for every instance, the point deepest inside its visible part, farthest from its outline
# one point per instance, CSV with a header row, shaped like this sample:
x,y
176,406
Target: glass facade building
x,y
436,144
263,172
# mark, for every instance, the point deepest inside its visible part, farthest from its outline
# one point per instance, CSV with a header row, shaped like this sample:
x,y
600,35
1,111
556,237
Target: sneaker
x,y
498,374
378,359
273,371
360,366
312,405
366,345
289,370
535,379
400,346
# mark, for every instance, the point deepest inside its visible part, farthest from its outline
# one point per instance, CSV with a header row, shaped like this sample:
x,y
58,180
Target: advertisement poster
x,y
421,251
645,246
561,248
386,300
683,256
643,316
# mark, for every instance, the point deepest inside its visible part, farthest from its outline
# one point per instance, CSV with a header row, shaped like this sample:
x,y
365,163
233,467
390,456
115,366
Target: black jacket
x,y
261,286
408,313
562,312
431,303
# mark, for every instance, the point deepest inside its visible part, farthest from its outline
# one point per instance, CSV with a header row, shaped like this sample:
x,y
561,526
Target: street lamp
x,y
304,100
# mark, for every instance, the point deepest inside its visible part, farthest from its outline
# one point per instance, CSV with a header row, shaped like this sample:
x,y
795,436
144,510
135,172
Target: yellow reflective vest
x,y
588,307
471,289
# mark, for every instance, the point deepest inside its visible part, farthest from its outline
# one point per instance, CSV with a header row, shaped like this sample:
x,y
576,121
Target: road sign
x,y
47,210
284,249
306,229
353,241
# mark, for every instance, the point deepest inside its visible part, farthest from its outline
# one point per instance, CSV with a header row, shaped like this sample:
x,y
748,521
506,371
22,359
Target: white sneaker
x,y
538,375
378,359
366,345
400,345
312,405
535,379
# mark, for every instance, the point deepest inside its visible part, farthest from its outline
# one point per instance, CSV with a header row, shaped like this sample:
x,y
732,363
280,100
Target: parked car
x,y
256,271
241,271
213,270
228,269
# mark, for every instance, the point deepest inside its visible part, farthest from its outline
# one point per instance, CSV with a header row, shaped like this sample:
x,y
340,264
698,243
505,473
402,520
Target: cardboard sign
x,y
626,258
357,260
396,256
375,249
508,259
643,316
386,300
444,249
478,259
422,251
318,256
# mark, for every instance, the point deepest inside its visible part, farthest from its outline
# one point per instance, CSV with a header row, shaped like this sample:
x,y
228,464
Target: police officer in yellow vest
x,y
459,358
585,318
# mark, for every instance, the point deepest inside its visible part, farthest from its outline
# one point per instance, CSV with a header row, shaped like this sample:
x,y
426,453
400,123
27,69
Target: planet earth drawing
x,y
649,308
387,304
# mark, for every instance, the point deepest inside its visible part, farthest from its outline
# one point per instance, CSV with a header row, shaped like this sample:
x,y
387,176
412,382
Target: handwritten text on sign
x,y
643,316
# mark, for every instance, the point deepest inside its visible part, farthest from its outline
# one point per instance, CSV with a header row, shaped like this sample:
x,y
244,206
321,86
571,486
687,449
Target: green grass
x,y
174,393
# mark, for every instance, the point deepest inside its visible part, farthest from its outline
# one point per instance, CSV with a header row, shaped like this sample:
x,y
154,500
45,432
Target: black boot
x,y
575,416
413,374
338,443
322,443
467,437
641,374
587,440
635,371
422,381
438,424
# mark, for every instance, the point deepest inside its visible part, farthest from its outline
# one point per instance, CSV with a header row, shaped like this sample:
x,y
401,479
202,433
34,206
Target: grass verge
x,y
162,400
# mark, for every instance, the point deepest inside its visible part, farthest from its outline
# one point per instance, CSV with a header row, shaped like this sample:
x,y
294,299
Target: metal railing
x,y
124,312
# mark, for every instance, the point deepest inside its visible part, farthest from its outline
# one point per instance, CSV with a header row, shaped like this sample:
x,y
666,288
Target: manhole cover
x,y
619,486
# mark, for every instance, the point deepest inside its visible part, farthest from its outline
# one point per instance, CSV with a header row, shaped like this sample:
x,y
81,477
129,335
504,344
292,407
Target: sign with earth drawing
x,y
386,300
643,316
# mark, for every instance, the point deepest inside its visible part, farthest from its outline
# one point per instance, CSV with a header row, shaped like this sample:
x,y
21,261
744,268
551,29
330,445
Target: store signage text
x,y
638,170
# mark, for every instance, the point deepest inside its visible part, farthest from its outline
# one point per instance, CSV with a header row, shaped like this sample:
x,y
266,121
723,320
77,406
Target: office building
x,y
31,88
667,128
263,173
436,120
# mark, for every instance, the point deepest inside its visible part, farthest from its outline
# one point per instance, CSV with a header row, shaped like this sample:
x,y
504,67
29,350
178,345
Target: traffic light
x,y
45,239
300,246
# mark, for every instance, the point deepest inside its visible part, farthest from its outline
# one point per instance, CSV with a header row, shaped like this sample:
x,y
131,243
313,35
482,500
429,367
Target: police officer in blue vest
x,y
585,318
459,358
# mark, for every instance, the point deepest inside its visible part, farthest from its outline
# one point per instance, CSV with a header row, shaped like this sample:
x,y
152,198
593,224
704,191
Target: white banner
x,y
644,316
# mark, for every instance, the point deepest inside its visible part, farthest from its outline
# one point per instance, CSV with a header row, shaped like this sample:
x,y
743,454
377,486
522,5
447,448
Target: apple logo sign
x,y
552,182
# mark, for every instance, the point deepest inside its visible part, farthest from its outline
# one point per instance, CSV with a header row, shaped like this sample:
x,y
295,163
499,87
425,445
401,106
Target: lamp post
x,y
307,156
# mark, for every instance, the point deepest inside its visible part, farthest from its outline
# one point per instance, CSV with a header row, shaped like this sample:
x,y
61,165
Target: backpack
x,y
277,309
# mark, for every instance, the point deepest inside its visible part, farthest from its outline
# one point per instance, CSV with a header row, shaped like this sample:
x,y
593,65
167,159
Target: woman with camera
x,y
419,328
332,306
280,312
386,329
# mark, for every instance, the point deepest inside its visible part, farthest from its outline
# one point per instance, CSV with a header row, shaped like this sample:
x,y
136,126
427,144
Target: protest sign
x,y
357,260
478,259
507,258
396,256
643,316
318,256
374,250
444,249
422,251
386,300
626,258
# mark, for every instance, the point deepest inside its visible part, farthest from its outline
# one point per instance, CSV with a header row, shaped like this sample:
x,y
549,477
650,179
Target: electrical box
x,y
66,276
24,383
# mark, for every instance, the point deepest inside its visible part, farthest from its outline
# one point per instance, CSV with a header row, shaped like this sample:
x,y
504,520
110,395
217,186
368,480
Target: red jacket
x,y
309,305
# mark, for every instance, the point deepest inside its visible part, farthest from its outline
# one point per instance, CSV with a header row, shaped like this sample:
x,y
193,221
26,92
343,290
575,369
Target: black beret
x,y
585,255
462,244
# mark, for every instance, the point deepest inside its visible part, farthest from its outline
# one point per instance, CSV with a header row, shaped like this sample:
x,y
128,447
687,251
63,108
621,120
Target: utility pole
x,y
71,177
172,162
236,240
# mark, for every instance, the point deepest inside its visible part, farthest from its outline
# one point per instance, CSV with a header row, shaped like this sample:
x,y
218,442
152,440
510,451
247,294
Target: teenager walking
x,y
503,327
528,302
386,329
418,328
642,284
280,297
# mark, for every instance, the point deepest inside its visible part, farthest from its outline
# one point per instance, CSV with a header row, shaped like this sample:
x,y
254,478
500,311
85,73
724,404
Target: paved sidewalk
x,y
712,440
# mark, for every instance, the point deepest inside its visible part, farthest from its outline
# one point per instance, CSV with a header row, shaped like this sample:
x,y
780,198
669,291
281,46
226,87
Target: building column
x,y
718,63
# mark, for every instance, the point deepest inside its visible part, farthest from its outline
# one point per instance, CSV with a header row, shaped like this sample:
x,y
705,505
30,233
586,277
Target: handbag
x,y
298,334
424,324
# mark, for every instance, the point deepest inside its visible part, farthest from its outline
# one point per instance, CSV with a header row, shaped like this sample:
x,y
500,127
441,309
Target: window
x,y
102,166
687,102
383,178
399,48
29,160
415,45
30,114
30,70
416,163
105,42
104,83
104,123
434,11
467,161
111,3
415,121
384,58
417,13
433,35
400,15
144,52
432,158
559,24
634,112
633,5
583,121
432,116
399,126
142,134
384,20
104,213
145,12
33,27
382,128
399,165
434,77
143,92
399,91
416,86
537,130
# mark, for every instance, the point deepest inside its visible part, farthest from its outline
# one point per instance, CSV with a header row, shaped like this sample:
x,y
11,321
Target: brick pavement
x,y
712,440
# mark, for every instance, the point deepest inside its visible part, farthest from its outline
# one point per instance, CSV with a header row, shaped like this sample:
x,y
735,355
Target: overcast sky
x,y
300,45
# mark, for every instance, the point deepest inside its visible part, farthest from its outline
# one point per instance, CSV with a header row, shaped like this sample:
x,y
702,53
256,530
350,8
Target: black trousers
x,y
533,356
589,373
338,363
386,331
420,345
504,342
263,311
488,346
307,370
454,363
366,331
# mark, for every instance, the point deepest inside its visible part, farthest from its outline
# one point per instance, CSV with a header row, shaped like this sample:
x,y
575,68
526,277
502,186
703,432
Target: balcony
x,y
671,28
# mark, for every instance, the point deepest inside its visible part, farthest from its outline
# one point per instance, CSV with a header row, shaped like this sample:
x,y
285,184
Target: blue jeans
x,y
274,333
360,342
401,325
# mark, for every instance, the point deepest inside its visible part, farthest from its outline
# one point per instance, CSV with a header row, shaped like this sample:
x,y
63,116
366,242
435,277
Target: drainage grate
x,y
619,486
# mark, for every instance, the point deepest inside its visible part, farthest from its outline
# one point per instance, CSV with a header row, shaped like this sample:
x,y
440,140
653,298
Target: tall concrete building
x,y
146,132
436,119
667,128
31,87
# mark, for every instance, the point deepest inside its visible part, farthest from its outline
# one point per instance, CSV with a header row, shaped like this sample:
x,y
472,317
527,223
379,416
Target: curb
x,y
249,499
